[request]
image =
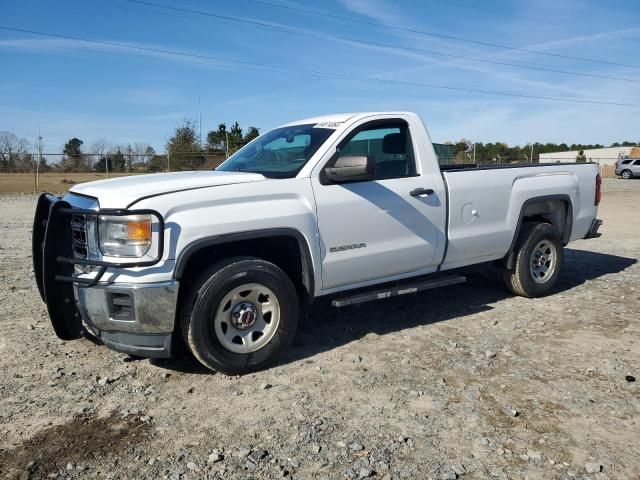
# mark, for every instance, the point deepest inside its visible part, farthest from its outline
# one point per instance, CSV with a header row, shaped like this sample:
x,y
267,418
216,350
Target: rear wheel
x,y
240,315
626,174
538,259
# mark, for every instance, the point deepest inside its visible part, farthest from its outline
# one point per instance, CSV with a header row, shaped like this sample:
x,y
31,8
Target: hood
x,y
123,191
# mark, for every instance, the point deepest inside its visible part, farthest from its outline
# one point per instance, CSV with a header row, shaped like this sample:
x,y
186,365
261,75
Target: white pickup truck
x,y
352,206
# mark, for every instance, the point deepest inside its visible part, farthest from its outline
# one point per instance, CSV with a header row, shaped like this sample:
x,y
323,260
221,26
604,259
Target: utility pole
x,y
471,151
40,148
200,113
33,165
532,153
38,160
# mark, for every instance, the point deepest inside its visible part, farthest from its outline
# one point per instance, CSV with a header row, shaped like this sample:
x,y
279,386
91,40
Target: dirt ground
x,y
463,382
54,182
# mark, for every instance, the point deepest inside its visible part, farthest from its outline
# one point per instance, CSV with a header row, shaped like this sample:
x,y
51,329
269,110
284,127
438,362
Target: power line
x,y
473,7
317,73
301,31
438,35
497,13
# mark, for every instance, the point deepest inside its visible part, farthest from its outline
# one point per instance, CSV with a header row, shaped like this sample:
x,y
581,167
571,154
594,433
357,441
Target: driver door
x,y
374,230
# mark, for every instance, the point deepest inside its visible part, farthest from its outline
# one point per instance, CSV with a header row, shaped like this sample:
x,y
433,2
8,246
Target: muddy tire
x,y
538,260
240,315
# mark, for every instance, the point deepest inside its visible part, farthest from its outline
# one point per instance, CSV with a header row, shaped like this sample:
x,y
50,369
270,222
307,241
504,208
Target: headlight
x,y
124,236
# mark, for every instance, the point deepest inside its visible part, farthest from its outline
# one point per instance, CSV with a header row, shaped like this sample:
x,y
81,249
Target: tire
x,y
626,174
264,320
538,260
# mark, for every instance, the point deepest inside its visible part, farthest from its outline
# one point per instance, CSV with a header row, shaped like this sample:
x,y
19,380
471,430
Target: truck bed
x,y
484,209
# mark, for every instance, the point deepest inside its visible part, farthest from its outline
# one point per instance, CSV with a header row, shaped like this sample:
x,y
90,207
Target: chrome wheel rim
x,y
626,175
543,261
247,318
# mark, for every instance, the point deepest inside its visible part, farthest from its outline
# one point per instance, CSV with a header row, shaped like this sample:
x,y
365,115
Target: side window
x,y
389,145
637,162
626,162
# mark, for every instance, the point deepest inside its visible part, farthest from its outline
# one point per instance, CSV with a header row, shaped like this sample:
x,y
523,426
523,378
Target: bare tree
x,y
99,149
13,152
143,153
129,155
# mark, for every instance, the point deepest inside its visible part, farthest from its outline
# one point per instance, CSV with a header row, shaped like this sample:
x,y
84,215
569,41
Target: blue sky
x,y
70,88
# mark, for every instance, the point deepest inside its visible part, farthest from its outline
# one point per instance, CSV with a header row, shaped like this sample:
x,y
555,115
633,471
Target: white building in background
x,y
601,156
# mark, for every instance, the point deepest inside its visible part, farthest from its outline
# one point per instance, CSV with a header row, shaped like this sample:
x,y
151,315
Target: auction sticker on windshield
x,y
328,125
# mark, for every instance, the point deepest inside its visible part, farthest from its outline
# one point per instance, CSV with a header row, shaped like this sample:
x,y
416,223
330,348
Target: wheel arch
x,y
556,210
287,248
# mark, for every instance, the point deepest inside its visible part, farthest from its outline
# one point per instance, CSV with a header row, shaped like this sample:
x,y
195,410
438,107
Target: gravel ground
x,y
464,382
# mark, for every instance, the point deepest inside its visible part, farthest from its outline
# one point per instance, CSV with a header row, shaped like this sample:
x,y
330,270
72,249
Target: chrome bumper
x,y
137,319
54,241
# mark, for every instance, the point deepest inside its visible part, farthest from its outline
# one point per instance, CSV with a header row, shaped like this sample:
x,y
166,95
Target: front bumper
x,y
137,319
134,318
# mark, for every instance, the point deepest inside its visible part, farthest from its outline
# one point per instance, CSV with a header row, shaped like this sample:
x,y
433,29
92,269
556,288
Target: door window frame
x,y
370,125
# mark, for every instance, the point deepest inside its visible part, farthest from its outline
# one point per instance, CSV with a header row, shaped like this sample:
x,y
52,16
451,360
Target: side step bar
x,y
397,290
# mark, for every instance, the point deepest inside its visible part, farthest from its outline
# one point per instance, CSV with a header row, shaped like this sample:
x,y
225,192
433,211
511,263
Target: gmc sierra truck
x,y
351,206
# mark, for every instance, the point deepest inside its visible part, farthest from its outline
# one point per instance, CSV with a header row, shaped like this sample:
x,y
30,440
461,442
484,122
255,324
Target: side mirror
x,y
352,169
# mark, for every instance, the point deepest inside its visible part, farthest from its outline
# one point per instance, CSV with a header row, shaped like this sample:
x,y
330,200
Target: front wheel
x,y
240,316
626,174
539,255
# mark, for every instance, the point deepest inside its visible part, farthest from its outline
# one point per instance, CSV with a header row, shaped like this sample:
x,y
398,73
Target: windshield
x,y
279,153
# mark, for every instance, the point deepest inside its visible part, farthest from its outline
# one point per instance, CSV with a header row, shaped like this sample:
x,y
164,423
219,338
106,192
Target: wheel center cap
x,y
244,315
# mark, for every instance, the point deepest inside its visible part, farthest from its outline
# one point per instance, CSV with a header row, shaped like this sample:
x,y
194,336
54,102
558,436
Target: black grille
x,y
79,236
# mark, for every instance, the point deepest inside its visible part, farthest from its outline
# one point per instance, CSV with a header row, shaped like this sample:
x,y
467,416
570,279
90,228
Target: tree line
x,y
502,153
185,150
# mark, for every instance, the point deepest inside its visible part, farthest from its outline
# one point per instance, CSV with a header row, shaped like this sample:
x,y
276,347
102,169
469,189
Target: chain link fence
x,y
55,172
33,172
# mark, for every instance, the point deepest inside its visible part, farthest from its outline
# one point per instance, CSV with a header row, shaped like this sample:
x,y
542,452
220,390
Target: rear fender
x,y
537,206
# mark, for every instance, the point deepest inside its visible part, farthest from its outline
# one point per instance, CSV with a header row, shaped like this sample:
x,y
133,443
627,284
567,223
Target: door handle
x,y
421,191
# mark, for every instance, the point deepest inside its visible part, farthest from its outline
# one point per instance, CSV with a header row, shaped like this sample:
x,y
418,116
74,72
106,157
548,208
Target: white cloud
x,y
375,9
594,37
45,45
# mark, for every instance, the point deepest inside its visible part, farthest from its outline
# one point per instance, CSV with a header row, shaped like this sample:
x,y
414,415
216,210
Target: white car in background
x,y
628,168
